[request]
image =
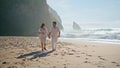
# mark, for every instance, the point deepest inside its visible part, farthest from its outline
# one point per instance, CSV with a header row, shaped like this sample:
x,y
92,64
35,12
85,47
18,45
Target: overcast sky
x,y
88,13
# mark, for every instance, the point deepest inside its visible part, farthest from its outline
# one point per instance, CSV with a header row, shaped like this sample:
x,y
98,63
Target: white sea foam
x,y
105,35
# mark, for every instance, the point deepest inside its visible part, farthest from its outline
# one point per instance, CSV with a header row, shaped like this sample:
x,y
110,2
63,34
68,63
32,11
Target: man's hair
x,y
54,22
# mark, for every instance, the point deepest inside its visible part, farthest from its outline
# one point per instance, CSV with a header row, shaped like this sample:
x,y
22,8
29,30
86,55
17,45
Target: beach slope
x,y
25,52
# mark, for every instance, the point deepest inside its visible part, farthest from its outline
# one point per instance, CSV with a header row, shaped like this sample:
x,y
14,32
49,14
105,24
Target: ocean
x,y
98,34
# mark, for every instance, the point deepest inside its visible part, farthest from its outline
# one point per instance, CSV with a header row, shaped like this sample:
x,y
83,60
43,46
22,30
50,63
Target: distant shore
x,y
25,52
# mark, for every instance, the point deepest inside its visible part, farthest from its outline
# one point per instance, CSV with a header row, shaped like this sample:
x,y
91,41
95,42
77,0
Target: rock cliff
x,y
24,17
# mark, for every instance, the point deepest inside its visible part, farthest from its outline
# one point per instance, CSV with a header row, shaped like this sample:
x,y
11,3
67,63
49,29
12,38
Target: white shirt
x,y
43,32
55,31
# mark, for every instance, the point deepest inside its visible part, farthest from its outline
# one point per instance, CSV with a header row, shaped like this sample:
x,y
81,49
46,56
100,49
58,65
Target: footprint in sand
x,y
55,53
73,51
89,55
85,46
78,56
70,53
54,66
12,67
5,62
101,66
15,63
101,58
118,65
25,59
63,54
82,53
65,66
86,62
12,52
68,63
86,58
78,51
113,62
22,63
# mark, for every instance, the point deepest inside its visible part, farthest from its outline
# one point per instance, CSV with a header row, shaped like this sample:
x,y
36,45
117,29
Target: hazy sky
x,y
88,13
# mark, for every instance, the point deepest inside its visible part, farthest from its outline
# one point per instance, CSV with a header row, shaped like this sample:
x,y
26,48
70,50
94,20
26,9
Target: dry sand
x,y
25,52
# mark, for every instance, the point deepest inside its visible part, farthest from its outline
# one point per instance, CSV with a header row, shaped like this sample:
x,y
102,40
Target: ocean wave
x,y
112,34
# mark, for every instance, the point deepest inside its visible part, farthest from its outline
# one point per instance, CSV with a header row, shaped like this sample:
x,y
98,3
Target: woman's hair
x,y
42,25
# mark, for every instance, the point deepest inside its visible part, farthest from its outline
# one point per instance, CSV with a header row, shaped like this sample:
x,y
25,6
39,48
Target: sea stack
x,y
76,26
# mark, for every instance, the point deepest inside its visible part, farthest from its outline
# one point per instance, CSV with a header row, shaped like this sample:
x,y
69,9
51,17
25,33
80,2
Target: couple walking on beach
x,y
53,34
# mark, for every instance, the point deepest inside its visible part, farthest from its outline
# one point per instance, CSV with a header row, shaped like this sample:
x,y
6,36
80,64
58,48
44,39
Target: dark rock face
x,y
24,17
76,26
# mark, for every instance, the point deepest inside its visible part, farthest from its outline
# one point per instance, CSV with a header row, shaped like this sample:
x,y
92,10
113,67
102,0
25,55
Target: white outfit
x,y
43,35
54,36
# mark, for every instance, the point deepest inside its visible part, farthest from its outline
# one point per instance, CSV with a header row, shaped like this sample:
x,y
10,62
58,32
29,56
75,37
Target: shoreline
x,y
106,41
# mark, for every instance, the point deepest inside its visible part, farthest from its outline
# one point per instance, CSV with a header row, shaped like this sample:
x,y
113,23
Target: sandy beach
x,y
25,52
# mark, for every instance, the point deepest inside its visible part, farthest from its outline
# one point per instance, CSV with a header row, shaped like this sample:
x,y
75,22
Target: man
x,y
54,34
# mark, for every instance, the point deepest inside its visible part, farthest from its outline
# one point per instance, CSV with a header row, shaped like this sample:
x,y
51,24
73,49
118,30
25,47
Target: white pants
x,y
54,42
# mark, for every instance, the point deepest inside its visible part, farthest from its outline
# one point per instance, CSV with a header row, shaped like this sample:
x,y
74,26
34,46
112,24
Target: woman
x,y
43,35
